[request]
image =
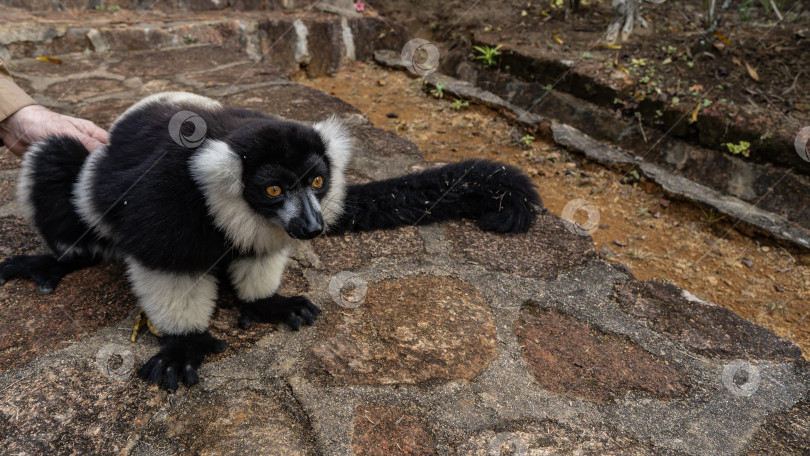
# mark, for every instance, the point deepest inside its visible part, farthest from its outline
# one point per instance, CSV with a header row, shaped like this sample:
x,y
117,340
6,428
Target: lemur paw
x,y
515,219
44,270
279,309
179,358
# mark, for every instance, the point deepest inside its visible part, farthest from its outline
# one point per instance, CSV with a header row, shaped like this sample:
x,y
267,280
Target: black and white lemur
x,y
185,218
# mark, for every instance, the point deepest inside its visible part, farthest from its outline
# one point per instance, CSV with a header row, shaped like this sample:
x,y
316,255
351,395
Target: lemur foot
x,y
279,309
44,270
179,358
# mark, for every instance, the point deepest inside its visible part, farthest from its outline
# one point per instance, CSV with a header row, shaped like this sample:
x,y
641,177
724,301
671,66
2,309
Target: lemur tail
x,y
45,192
501,198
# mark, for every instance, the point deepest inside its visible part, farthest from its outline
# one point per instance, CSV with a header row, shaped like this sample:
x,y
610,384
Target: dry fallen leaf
x,y
696,111
752,72
49,59
722,38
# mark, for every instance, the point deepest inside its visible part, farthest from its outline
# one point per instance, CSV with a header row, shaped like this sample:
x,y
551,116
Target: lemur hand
x,y
33,123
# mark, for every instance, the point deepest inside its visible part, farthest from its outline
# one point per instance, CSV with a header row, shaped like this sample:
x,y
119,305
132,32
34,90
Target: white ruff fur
x,y
83,193
25,184
218,172
258,277
338,143
175,303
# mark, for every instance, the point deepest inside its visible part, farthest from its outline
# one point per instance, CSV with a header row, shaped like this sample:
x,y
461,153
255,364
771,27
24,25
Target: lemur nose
x,y
313,221
313,231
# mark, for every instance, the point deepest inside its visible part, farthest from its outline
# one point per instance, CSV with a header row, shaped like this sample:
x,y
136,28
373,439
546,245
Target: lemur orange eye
x,y
273,191
317,182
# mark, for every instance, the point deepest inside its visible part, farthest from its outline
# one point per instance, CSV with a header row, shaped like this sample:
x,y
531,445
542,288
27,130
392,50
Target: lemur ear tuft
x,y
338,141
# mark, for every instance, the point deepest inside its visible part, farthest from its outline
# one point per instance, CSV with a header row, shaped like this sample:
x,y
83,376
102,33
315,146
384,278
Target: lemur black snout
x,y
311,220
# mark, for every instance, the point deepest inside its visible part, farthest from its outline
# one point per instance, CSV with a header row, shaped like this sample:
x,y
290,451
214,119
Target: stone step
x,y
163,5
317,43
777,181
528,70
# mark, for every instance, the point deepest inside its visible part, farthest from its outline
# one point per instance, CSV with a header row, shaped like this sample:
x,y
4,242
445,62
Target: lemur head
x,y
288,174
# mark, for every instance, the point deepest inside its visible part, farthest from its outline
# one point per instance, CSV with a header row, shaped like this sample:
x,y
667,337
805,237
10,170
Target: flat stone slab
x,y
87,301
353,250
785,433
702,328
549,437
72,409
235,419
409,331
386,430
188,59
570,357
8,160
292,102
545,251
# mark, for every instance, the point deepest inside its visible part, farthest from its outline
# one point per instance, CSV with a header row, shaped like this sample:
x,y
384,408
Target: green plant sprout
x,y
711,217
458,104
189,38
743,148
438,92
527,140
487,54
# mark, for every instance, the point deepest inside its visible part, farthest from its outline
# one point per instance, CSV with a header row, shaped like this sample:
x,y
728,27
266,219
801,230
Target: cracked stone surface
x,y
463,342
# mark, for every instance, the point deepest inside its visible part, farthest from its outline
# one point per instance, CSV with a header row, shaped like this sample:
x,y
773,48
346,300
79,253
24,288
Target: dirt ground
x,y
657,238
757,61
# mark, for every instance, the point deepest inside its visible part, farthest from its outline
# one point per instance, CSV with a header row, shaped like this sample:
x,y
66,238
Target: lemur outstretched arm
x,y
501,198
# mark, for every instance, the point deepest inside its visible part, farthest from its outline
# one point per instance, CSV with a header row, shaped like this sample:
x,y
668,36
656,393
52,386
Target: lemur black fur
x,y
229,207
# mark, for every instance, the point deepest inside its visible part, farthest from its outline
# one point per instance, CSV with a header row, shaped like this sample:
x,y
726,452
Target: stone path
x,y
433,340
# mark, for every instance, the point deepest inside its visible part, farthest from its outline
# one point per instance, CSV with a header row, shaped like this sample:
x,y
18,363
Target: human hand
x,y
33,123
